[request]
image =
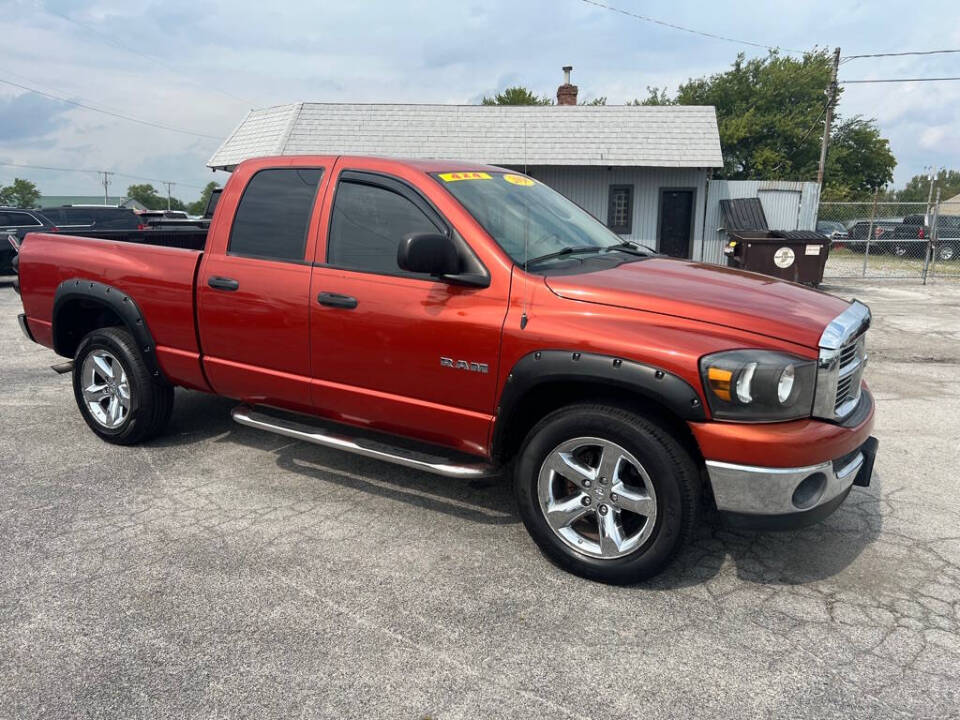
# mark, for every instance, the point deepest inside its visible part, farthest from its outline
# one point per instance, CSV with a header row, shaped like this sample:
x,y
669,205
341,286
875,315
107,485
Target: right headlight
x,y
758,385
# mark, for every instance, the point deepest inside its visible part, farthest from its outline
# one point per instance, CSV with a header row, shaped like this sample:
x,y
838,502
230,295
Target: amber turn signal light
x,y
719,380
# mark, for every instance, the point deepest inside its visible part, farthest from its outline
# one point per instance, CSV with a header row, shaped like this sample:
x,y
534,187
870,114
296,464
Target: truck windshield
x,y
526,218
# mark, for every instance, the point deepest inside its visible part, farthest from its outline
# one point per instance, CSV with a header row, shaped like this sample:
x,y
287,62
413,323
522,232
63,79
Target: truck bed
x,y
155,268
185,238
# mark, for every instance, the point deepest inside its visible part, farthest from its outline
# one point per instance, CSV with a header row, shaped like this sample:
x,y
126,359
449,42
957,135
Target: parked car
x,y
834,230
465,320
92,217
912,235
17,222
883,231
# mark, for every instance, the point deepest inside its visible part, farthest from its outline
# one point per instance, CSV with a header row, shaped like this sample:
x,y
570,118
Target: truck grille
x,y
840,366
850,376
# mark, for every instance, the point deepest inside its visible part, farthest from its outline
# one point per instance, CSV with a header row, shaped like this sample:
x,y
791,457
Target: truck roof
x,y
427,166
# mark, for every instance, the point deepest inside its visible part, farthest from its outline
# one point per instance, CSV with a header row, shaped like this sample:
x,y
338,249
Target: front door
x,y
253,289
676,222
392,350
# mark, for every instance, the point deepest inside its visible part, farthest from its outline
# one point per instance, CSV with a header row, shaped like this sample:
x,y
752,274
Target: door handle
x,y
222,283
337,300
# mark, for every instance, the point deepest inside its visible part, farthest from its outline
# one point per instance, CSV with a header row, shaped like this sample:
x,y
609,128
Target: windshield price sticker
x,y
454,176
519,180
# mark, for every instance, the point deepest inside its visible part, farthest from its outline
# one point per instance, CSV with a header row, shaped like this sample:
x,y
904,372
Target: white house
x,y
641,170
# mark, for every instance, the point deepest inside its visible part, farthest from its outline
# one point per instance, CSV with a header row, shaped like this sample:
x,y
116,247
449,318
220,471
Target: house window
x,y
620,209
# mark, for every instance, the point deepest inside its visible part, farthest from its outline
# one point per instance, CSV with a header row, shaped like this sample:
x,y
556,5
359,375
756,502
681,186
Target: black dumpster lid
x,y
743,214
805,235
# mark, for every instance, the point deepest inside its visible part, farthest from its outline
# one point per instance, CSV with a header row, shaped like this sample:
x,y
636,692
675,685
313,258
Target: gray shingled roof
x,y
622,135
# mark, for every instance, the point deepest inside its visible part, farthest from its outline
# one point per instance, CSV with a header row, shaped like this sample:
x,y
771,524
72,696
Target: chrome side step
x,y
63,368
246,415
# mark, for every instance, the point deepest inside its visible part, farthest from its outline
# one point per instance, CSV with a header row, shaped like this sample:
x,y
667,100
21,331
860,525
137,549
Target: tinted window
x,y
368,224
274,213
8,218
115,219
68,216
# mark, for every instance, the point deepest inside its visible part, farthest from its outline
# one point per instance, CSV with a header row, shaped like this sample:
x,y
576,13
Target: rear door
x,y
254,282
393,350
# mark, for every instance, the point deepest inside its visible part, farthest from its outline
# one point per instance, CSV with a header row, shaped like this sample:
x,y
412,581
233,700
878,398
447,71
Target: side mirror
x,y
428,253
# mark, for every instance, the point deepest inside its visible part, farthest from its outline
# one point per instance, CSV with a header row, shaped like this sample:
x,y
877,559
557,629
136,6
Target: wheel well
x,y
76,318
546,397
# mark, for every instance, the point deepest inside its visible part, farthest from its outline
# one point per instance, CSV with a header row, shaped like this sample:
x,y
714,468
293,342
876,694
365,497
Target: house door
x,y
676,222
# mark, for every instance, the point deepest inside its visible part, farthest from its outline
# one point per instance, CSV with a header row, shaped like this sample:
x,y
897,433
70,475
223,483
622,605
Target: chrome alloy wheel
x,y
106,390
597,497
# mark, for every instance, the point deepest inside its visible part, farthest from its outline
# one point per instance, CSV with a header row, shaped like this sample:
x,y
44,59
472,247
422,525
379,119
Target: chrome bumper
x,y
800,495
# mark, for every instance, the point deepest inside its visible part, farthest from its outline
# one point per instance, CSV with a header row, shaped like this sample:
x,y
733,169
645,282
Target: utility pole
x,y
169,191
105,181
831,93
934,172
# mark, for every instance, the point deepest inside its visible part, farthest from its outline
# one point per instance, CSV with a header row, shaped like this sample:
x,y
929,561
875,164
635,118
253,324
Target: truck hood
x,y
708,293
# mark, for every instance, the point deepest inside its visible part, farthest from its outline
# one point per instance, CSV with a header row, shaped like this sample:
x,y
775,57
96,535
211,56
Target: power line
x,y
82,170
108,112
712,36
147,56
900,54
900,80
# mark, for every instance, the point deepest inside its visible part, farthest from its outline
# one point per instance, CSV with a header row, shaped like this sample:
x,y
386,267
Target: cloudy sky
x,y
199,66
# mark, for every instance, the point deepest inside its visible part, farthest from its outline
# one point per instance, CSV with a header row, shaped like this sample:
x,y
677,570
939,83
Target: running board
x,y
246,415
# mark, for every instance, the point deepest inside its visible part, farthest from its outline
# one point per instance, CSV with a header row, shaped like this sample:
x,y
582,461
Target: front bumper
x,y
786,498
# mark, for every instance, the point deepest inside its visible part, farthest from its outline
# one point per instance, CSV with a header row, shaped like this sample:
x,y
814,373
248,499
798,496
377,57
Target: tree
x,y
858,161
918,188
21,193
770,115
602,100
147,196
198,207
516,96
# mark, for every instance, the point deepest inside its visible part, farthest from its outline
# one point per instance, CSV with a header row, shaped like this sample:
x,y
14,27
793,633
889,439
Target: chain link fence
x,y
891,239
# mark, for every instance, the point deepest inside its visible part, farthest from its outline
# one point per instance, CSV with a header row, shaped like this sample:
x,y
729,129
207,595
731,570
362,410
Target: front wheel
x,y
606,493
946,251
118,397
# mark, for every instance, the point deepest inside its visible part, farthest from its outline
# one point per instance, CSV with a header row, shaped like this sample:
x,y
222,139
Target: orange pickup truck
x,y
467,320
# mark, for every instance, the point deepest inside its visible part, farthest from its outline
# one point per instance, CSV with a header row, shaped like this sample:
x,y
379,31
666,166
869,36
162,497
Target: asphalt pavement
x,y
223,572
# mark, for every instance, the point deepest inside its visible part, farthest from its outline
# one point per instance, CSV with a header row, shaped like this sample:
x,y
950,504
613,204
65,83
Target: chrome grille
x,y
849,376
841,363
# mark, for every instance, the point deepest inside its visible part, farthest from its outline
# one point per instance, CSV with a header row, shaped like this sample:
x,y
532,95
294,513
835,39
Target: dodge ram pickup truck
x,y
467,320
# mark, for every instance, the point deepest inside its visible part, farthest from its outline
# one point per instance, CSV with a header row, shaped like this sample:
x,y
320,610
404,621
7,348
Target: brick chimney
x,y
567,93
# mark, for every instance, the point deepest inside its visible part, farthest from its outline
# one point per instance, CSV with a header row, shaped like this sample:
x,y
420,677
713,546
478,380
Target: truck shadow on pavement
x,y
779,558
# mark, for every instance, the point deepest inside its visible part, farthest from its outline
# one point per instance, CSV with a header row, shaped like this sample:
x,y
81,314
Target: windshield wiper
x,y
566,251
633,248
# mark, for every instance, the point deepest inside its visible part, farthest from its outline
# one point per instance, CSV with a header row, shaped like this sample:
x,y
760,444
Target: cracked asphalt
x,y
221,572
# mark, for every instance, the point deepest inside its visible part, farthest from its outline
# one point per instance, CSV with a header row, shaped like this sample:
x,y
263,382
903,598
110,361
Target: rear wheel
x,y
606,493
946,251
117,395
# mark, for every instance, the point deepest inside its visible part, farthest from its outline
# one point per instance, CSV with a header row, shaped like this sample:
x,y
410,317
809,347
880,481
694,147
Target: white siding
x,y
589,187
787,206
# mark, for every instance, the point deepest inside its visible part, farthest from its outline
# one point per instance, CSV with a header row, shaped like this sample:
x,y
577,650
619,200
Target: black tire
x,y
668,464
946,252
150,399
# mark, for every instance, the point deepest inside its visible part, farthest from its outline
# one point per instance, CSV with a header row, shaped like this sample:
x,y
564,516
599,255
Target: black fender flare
x,y
548,366
116,300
